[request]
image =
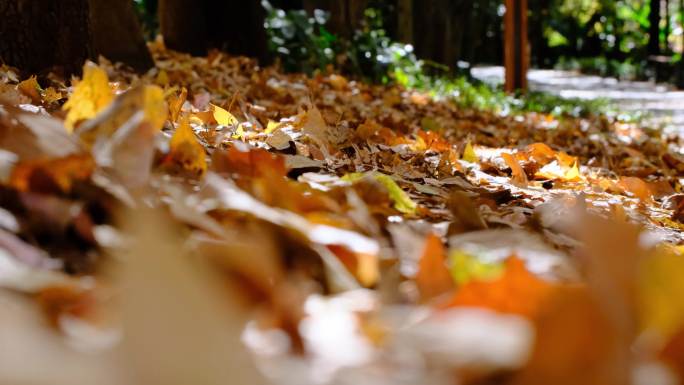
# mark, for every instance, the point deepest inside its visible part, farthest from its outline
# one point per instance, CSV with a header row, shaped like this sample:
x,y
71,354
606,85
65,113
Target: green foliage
x,y
146,10
303,44
300,42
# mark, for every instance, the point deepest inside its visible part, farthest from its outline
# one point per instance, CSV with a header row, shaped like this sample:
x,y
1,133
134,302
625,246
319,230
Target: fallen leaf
x,y
91,95
186,151
176,104
30,88
469,154
516,291
465,268
402,202
518,175
223,117
155,106
433,278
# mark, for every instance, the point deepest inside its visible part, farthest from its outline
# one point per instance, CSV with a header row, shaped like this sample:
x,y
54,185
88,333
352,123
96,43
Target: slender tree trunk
x,y
654,28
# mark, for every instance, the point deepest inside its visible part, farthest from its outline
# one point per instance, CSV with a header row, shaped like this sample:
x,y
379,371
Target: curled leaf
x,y
518,175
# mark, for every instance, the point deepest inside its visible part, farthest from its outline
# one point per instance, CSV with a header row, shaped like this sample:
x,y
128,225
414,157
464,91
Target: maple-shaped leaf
x,y
51,95
186,151
433,278
401,201
91,95
516,291
30,88
223,117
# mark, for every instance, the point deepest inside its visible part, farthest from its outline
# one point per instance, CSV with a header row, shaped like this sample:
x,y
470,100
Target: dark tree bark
x,y
37,34
405,21
442,24
117,35
41,34
654,28
193,26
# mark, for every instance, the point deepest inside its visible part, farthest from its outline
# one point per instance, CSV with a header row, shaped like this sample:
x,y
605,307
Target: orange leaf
x,y
518,176
45,174
364,266
540,153
433,278
30,88
516,291
637,187
254,162
575,343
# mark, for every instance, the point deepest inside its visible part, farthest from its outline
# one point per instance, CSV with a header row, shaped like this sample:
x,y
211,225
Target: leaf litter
x,y
219,222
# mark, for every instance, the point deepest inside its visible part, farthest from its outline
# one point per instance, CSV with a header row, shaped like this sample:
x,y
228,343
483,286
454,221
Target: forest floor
x,y
219,223
661,105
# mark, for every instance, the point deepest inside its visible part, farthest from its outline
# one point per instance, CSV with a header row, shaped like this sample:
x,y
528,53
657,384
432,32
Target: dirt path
x,y
663,105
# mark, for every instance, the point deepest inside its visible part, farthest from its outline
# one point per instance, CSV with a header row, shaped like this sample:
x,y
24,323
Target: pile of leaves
x,y
217,222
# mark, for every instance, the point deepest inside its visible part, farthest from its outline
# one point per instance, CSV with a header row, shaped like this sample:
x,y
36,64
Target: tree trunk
x,y
194,26
38,34
405,21
654,28
43,34
117,35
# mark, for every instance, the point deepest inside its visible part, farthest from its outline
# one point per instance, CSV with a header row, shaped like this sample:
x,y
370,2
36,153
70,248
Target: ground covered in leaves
x,y
218,222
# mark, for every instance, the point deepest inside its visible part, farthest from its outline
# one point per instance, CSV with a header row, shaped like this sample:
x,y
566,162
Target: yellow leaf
x,y
176,104
239,132
155,106
466,268
271,126
572,174
186,151
469,154
30,88
224,117
419,144
661,289
51,95
162,78
91,95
